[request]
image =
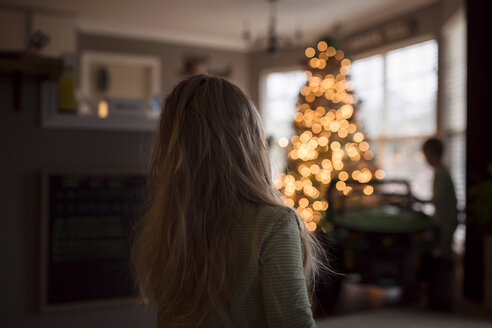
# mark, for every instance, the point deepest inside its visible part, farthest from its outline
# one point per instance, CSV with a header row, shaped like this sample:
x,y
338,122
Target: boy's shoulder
x,y
442,173
443,170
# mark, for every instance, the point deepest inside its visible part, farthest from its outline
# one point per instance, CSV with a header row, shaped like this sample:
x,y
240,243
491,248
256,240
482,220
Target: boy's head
x,y
433,149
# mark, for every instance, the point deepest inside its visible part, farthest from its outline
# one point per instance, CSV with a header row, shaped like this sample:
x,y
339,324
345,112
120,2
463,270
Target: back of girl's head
x,y
211,135
209,157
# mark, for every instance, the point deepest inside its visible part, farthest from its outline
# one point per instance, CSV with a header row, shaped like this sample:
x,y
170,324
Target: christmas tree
x,y
329,145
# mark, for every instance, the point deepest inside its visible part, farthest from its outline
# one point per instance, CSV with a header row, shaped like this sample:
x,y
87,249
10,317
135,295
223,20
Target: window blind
x,y
453,116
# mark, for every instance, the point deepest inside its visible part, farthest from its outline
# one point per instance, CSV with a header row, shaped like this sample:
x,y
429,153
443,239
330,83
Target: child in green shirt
x,y
443,198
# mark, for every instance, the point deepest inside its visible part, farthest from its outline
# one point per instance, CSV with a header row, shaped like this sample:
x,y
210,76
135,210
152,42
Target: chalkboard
x,y
87,226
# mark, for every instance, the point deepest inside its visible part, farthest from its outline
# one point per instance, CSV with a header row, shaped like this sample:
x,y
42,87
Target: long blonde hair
x,y
209,157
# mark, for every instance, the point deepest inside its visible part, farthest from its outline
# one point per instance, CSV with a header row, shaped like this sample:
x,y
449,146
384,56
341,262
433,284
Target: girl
x,y
217,247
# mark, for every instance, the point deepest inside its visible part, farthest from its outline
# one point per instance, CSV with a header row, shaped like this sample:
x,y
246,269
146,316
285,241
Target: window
x,y
281,90
454,100
398,93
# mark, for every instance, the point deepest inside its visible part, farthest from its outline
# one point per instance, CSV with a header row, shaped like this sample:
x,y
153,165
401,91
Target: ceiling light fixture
x,y
273,41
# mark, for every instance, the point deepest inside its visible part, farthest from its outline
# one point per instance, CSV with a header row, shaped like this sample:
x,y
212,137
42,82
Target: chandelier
x,y
272,42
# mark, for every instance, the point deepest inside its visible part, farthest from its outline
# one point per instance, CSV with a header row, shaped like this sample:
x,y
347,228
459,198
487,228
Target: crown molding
x,y
177,37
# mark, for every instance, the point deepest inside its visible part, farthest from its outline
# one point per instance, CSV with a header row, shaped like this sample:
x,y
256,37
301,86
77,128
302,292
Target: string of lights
x,y
329,145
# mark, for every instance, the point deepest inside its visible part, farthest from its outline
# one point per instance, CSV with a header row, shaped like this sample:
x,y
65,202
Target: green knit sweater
x,y
271,288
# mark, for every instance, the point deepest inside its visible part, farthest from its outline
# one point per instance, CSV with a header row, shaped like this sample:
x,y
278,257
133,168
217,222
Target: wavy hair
x,y
209,157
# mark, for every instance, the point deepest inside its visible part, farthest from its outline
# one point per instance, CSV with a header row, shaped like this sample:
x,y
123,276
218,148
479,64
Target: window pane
x,y
367,79
281,95
279,108
454,72
367,73
411,106
410,62
411,79
454,100
455,154
403,159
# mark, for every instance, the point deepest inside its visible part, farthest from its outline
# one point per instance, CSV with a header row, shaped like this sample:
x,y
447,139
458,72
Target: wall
x,y
478,143
28,149
172,56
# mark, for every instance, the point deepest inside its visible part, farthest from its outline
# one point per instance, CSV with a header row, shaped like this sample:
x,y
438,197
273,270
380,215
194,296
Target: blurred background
x,y
81,84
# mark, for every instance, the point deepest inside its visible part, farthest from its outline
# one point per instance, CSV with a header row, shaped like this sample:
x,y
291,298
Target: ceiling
x,y
220,23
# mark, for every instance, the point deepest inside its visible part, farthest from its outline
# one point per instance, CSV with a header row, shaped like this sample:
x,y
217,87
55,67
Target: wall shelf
x,y
51,118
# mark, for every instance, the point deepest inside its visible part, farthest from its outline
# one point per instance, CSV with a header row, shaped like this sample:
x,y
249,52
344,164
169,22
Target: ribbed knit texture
x,y
271,289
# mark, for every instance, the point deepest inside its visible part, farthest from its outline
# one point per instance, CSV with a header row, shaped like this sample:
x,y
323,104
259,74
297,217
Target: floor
x,y
403,318
370,306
